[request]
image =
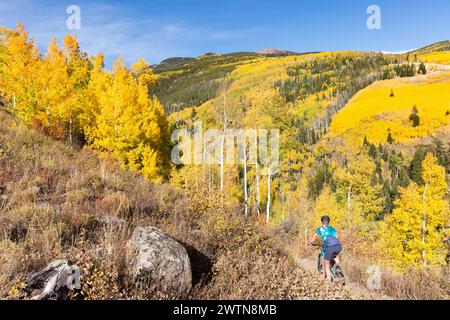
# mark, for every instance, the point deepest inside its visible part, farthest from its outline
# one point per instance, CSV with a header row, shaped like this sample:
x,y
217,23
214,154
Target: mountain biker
x,y
331,245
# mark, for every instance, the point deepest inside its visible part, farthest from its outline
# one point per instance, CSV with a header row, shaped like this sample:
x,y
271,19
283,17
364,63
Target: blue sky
x,y
159,29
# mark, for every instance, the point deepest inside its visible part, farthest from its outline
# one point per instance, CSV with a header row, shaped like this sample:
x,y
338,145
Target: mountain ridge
x,y
174,62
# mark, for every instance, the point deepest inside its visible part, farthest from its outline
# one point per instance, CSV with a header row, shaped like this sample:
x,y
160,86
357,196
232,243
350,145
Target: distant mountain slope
x,y
435,47
170,63
435,53
298,94
276,52
192,82
385,107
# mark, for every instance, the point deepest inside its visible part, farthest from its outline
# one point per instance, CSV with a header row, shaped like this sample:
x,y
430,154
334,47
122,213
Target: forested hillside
x,y
362,171
195,81
435,53
364,138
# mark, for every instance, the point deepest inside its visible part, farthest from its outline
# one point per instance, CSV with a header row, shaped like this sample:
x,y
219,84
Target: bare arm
x,y
314,238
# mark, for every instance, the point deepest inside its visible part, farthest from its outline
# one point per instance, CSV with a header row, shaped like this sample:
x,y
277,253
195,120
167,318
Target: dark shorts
x,y
332,252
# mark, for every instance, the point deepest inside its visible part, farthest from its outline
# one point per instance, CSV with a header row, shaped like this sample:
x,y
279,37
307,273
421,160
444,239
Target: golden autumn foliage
x,y
326,204
70,96
414,235
354,184
441,57
20,62
129,124
373,112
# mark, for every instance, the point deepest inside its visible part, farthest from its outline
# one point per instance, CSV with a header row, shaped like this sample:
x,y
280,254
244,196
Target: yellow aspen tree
x,y
130,124
112,100
78,68
414,234
21,60
95,96
354,184
144,73
56,92
326,204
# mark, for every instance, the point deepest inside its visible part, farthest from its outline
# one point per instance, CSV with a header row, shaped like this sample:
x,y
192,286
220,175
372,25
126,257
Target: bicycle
x,y
337,274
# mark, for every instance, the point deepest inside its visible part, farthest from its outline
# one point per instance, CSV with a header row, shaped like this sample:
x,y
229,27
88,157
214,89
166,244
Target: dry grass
x,y
356,261
54,204
413,285
54,201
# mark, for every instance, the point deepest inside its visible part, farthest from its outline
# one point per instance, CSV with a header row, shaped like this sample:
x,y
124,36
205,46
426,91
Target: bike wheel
x,y
319,263
338,274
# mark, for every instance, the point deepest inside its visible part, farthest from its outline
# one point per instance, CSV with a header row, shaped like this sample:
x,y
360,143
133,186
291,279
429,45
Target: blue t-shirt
x,y
327,232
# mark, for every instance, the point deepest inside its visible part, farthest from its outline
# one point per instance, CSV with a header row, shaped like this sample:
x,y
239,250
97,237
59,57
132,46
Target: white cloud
x,y
115,30
398,51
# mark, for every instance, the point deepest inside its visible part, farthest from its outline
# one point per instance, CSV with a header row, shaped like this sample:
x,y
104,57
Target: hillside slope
x,y
434,53
435,47
55,203
195,81
298,93
373,112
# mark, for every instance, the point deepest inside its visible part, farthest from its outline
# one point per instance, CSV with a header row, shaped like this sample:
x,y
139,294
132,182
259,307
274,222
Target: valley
x,y
87,178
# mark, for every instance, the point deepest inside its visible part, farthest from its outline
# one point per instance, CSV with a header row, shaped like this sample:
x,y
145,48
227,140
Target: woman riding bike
x,y
331,245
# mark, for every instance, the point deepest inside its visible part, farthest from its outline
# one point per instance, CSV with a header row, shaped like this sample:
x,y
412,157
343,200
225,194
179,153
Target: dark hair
x,y
325,218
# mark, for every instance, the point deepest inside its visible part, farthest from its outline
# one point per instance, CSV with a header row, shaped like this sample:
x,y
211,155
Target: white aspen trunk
x,y
349,197
245,180
257,190
225,125
115,114
204,152
289,208
47,108
424,224
70,131
178,116
222,161
268,195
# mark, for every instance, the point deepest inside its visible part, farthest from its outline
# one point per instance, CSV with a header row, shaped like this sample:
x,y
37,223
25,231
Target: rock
x,y
54,282
160,262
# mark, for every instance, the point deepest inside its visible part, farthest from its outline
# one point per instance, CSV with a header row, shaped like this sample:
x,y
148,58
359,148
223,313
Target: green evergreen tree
x,y
385,155
404,177
422,69
390,139
414,117
388,196
317,182
366,142
442,155
415,168
373,151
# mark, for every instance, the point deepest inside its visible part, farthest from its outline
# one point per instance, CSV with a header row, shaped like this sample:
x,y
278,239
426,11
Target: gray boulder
x,y
159,262
53,282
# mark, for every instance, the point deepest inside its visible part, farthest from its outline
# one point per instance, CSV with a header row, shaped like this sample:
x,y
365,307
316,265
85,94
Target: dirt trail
x,y
356,290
